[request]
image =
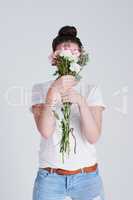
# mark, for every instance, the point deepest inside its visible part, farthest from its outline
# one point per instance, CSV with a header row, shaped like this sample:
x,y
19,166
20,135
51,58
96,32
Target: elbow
x,y
46,133
45,136
93,139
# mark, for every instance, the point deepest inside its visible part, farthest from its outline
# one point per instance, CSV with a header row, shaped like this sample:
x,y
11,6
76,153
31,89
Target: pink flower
x,y
75,52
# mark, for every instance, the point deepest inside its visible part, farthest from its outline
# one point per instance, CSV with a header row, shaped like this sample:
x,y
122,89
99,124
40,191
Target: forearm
x,y
87,122
46,121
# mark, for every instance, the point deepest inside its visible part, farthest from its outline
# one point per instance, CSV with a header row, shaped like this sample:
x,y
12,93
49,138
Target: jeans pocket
x,y
39,183
42,172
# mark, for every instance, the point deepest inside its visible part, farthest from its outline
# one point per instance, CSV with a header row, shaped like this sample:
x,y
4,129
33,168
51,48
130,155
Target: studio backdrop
x,y
27,29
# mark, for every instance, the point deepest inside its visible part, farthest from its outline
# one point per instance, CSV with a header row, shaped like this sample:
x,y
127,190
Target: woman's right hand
x,y
60,86
64,83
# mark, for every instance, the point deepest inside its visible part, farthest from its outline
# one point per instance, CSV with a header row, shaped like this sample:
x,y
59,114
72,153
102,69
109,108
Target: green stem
x,y
65,144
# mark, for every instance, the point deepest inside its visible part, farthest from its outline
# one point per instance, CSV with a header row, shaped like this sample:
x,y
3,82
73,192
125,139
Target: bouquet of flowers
x,y
68,63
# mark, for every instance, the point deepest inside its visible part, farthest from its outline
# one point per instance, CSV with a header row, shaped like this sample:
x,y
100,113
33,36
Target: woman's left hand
x,y
72,96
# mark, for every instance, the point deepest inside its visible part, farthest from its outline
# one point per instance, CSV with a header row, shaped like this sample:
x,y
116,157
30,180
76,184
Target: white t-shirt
x,y
49,155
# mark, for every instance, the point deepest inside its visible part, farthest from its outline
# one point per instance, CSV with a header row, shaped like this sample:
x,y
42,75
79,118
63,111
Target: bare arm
x,y
90,120
44,117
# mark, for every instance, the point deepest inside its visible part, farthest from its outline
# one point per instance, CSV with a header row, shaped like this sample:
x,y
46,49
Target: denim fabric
x,y
81,186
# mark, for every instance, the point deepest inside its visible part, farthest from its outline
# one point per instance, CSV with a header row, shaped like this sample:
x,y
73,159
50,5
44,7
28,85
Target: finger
x,y
64,92
65,100
69,84
69,81
68,77
65,97
71,91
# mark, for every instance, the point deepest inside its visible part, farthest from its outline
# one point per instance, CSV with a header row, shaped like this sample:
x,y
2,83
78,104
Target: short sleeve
x,y
38,94
95,97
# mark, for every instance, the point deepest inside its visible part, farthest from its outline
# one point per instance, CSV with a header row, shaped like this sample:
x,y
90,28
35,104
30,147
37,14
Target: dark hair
x,y
66,33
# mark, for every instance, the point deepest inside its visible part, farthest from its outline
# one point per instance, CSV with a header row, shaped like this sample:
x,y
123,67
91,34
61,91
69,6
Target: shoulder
x,y
88,87
93,93
39,92
94,89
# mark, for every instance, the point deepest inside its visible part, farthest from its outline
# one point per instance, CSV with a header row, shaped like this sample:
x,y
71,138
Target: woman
x,y
78,177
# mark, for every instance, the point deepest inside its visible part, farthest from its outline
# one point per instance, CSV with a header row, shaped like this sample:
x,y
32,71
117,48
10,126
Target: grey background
x,y
27,29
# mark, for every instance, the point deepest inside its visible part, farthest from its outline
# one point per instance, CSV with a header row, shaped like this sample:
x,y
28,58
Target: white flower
x,y
75,67
76,53
65,53
68,54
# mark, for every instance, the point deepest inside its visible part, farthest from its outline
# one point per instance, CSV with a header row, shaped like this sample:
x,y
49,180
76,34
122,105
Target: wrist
x,y
52,108
50,103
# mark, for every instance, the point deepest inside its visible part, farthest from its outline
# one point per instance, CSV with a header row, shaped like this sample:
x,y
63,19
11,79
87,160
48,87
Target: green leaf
x,y
78,77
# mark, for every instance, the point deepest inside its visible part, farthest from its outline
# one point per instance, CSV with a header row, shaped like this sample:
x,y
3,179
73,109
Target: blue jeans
x,y
81,186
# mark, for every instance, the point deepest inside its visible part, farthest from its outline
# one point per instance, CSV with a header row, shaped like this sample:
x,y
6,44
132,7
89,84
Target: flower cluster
x,y
68,62
74,60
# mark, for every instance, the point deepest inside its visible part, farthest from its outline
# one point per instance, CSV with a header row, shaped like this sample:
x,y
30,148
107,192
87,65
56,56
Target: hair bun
x,y
68,31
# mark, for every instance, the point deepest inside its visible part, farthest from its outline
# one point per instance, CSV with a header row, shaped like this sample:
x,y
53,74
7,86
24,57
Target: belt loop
x,y
82,170
51,170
